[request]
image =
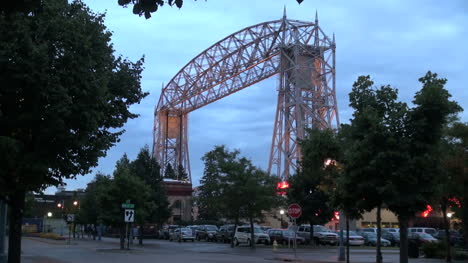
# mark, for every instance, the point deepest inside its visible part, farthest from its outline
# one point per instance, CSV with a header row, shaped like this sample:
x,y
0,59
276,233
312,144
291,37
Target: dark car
x,y
370,239
393,237
421,238
455,237
225,233
283,236
206,232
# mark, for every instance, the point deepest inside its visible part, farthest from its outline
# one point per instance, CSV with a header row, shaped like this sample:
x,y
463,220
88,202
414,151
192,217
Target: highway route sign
x,y
129,215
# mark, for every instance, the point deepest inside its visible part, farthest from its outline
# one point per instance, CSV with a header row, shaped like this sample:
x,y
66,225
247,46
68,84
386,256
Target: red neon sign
x,y
427,211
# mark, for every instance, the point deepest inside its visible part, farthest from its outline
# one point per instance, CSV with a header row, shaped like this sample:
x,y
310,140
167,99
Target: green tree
x,y
312,186
147,168
169,172
377,120
209,194
90,208
456,163
125,186
63,101
181,174
146,7
419,153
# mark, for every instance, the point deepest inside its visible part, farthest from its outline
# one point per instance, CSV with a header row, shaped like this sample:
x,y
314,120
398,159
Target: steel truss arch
x,y
298,51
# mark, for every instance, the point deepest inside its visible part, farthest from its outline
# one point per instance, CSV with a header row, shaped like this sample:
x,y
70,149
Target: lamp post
x,y
281,213
341,252
3,211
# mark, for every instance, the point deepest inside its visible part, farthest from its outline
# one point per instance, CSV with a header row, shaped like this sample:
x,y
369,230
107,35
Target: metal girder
x,y
298,50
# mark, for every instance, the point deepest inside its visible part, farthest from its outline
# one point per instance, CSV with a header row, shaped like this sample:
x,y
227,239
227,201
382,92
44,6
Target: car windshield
x,y
288,233
424,235
258,230
371,234
352,233
320,229
185,229
211,228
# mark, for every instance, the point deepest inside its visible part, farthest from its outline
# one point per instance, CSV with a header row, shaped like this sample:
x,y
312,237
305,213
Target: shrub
x,y
434,249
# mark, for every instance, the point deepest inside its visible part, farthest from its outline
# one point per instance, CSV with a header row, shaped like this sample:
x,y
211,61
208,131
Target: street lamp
x,y
449,215
341,252
281,213
75,203
49,214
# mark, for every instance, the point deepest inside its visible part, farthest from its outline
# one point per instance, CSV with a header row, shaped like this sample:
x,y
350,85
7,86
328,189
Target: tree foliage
x,y
392,155
63,101
147,168
312,186
229,176
147,7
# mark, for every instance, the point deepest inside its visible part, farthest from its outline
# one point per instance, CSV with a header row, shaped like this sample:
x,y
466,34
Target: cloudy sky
x,y
394,41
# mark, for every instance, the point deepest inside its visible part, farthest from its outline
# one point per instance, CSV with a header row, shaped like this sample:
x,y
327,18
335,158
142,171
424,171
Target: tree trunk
x,y
448,256
347,240
379,235
403,239
122,236
140,235
252,233
312,241
235,226
16,216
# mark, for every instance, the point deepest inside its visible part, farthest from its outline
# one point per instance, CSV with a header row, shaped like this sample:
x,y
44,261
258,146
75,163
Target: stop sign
x,y
294,210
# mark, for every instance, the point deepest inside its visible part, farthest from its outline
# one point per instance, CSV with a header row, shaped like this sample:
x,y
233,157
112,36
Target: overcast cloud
x,y
395,42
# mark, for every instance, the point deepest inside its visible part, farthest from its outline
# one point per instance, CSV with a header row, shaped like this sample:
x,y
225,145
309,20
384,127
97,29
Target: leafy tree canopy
x,y
64,97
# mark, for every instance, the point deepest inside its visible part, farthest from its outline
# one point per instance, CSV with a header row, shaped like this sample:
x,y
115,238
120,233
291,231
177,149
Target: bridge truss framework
x,y
299,52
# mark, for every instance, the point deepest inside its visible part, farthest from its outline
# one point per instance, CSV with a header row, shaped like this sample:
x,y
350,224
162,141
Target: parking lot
x,y
37,250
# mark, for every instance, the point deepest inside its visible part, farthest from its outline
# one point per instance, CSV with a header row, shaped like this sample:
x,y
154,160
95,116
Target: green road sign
x,y
128,206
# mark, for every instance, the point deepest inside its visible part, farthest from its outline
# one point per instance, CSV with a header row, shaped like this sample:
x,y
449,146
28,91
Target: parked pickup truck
x,y
321,234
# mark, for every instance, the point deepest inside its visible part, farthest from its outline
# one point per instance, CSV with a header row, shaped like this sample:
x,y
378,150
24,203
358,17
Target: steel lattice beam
x,y
299,51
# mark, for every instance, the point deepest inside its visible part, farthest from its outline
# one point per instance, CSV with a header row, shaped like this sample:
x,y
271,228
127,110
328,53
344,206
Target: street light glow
x,y
449,215
282,212
59,205
75,203
49,214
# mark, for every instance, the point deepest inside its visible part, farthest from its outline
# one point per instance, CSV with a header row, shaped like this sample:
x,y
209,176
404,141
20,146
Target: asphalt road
x,y
37,250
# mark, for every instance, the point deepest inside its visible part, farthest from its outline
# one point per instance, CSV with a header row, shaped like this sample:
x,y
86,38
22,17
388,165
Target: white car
x,y
354,238
243,235
186,234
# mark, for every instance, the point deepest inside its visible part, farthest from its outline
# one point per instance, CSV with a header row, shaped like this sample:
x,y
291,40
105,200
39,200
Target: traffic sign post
x,y
294,211
129,218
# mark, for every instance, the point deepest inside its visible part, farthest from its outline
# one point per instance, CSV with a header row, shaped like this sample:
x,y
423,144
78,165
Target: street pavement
x,y
38,250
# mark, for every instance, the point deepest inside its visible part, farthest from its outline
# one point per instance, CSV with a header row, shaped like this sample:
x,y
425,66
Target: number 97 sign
x,y
294,211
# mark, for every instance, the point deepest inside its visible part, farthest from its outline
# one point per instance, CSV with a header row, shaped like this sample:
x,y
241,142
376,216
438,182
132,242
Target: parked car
x,y
455,237
167,230
265,228
393,237
321,234
392,230
370,239
427,230
206,232
182,234
354,239
194,229
284,236
225,233
243,235
421,238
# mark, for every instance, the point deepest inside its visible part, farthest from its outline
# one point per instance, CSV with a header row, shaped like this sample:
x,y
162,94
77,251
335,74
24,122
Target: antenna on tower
x,y
316,16
284,13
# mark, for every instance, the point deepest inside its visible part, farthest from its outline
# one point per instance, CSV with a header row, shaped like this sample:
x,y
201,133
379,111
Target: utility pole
x,y
3,211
